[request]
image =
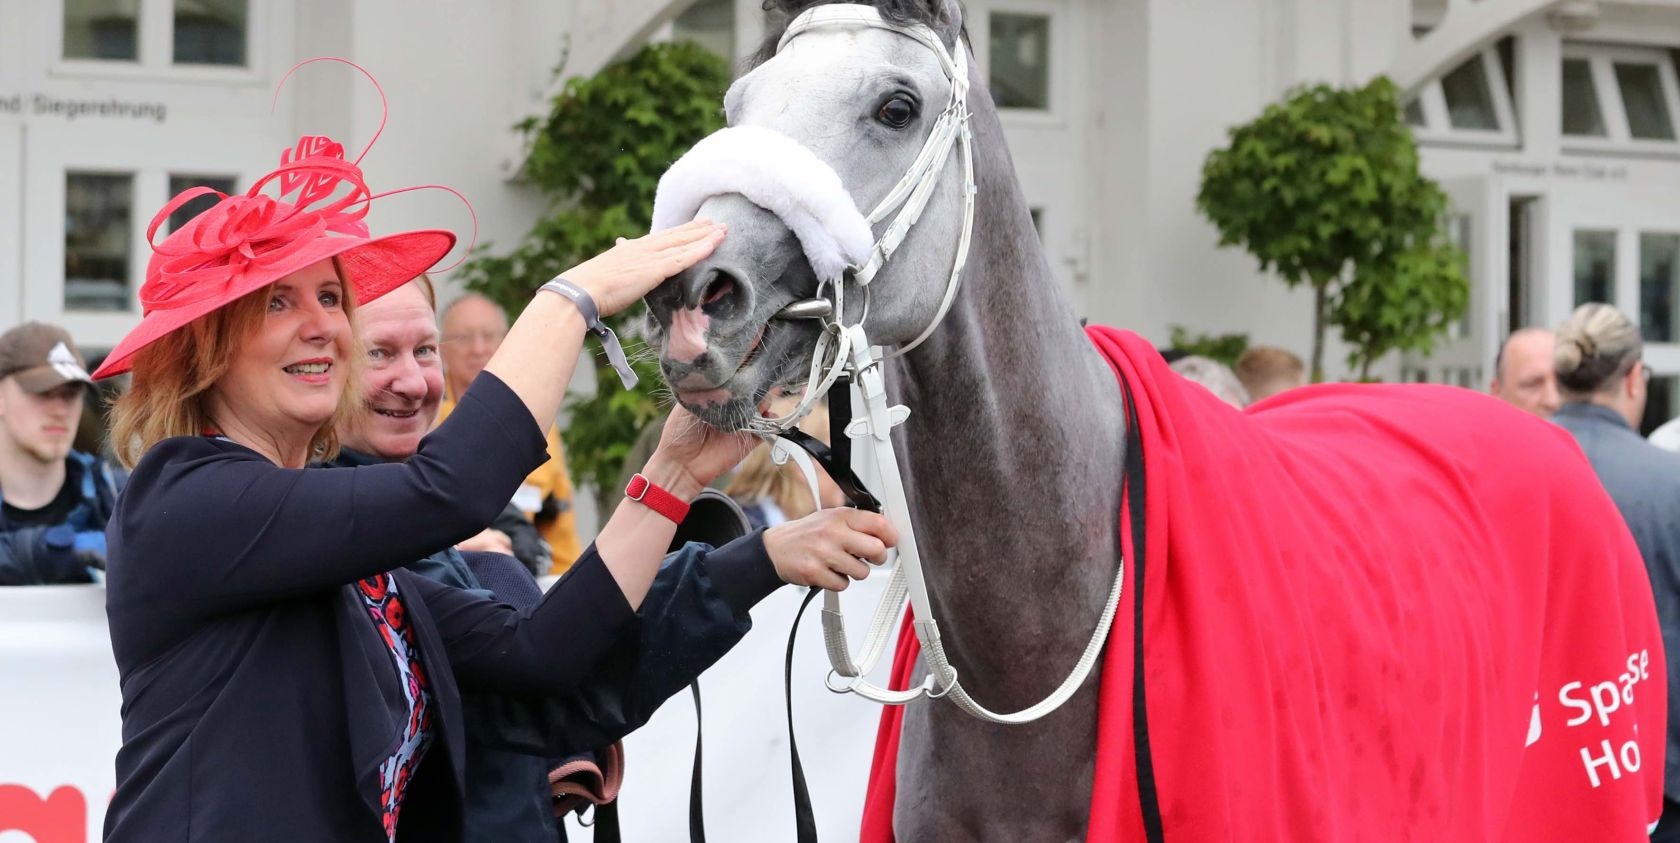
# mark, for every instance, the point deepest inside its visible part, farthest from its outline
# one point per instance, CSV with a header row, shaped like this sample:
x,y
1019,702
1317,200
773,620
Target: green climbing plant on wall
x,y
597,156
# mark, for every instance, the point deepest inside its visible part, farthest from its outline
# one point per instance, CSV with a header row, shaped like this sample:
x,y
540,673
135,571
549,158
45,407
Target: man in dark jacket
x,y
507,796
53,501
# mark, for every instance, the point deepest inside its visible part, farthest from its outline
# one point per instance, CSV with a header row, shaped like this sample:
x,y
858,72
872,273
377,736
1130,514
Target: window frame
x,y
155,46
1618,253
1601,60
134,259
980,41
1640,232
1437,125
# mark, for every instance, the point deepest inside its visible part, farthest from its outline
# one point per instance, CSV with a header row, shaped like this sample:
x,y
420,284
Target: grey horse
x,y
1020,531
1013,463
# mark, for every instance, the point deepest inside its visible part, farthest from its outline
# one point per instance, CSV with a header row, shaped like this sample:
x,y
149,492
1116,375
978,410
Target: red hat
x,y
248,241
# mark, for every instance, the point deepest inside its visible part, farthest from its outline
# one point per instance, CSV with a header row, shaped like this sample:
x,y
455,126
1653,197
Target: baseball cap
x,y
42,357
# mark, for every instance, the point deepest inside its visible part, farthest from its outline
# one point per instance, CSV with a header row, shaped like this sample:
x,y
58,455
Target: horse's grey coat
x,y
1013,452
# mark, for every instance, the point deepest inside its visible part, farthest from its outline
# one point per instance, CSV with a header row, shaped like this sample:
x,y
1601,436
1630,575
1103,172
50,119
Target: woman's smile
x,y
315,371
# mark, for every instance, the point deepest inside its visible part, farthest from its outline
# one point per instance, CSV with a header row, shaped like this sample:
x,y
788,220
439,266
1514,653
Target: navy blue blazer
x,y
258,701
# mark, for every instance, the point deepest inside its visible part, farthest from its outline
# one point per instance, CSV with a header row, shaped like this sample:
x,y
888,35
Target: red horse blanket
x,y
1369,613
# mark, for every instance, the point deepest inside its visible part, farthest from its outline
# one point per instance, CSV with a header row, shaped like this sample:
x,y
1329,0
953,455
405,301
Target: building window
x,y
1619,98
1642,96
98,229
1472,103
1019,55
1469,102
102,30
179,184
709,23
1659,281
211,31
1595,267
1581,114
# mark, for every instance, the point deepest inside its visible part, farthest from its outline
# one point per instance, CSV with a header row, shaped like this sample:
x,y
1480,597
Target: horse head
x,y
863,101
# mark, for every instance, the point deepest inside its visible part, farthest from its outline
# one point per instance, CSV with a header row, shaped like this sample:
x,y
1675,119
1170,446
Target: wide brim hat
x,y
246,242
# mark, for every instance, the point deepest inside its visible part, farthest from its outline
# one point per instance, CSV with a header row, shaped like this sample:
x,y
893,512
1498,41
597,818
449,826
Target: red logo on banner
x,y
59,818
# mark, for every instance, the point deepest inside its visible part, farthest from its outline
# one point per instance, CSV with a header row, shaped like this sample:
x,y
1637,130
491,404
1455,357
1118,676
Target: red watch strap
x,y
644,492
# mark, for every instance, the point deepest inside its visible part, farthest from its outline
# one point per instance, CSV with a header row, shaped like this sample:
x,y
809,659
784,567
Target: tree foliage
x,y
597,156
1223,348
1323,189
1402,304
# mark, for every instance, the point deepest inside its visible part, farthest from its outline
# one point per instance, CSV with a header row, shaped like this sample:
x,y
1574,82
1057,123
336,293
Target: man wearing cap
x,y
53,500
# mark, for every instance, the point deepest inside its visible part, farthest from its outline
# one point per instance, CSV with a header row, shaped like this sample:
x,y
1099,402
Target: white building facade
x,y
1551,123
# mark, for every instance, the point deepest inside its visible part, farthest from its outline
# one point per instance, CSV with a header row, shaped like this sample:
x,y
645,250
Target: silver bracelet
x,y
585,304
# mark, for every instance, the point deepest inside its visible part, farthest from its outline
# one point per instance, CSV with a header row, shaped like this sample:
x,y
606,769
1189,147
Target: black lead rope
x,y
696,809
804,822
838,463
606,823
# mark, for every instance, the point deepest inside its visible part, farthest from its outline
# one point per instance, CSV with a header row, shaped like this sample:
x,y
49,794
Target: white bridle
x,y
843,348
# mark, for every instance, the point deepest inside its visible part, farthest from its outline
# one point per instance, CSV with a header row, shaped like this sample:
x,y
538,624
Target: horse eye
x,y
897,112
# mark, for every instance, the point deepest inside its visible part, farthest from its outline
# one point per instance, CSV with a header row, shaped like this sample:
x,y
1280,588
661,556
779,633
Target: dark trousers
x,y
1668,828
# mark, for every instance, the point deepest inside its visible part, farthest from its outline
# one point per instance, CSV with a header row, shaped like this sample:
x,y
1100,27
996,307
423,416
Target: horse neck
x,y
1013,453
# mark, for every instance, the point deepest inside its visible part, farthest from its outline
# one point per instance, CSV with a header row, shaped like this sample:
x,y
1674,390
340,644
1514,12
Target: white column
x,y
1539,88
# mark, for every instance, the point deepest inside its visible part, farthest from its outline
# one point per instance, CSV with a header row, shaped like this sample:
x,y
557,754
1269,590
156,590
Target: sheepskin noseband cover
x,y
780,175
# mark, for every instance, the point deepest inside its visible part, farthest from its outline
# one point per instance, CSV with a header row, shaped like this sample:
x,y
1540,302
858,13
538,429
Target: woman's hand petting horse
x,y
829,547
616,278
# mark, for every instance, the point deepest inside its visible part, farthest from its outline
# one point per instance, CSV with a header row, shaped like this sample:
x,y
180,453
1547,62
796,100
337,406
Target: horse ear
x,y
950,14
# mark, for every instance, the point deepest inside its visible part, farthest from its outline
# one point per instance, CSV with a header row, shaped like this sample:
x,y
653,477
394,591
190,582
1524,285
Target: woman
x,y
280,680
1603,381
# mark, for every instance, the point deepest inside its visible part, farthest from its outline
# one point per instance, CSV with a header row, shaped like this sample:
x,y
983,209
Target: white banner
x,y
60,726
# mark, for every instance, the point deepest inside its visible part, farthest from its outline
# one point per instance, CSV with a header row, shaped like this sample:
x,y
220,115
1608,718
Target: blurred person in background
x,y
1266,370
1524,373
771,494
1216,376
1603,380
55,499
402,390
473,328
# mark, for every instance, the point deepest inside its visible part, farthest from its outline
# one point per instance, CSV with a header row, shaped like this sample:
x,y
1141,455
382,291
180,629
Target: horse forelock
x,y
933,13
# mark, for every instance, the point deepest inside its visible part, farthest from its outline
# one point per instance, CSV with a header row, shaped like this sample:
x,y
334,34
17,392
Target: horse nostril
x,y
721,285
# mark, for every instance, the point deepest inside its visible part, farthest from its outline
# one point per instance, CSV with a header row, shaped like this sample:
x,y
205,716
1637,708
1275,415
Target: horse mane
x,y
782,12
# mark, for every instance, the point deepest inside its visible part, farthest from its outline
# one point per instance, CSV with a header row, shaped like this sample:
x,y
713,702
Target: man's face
x,y
1527,377
472,331
403,380
40,427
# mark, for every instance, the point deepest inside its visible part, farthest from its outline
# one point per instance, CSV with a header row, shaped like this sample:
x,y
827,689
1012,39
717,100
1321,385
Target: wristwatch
x,y
585,304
